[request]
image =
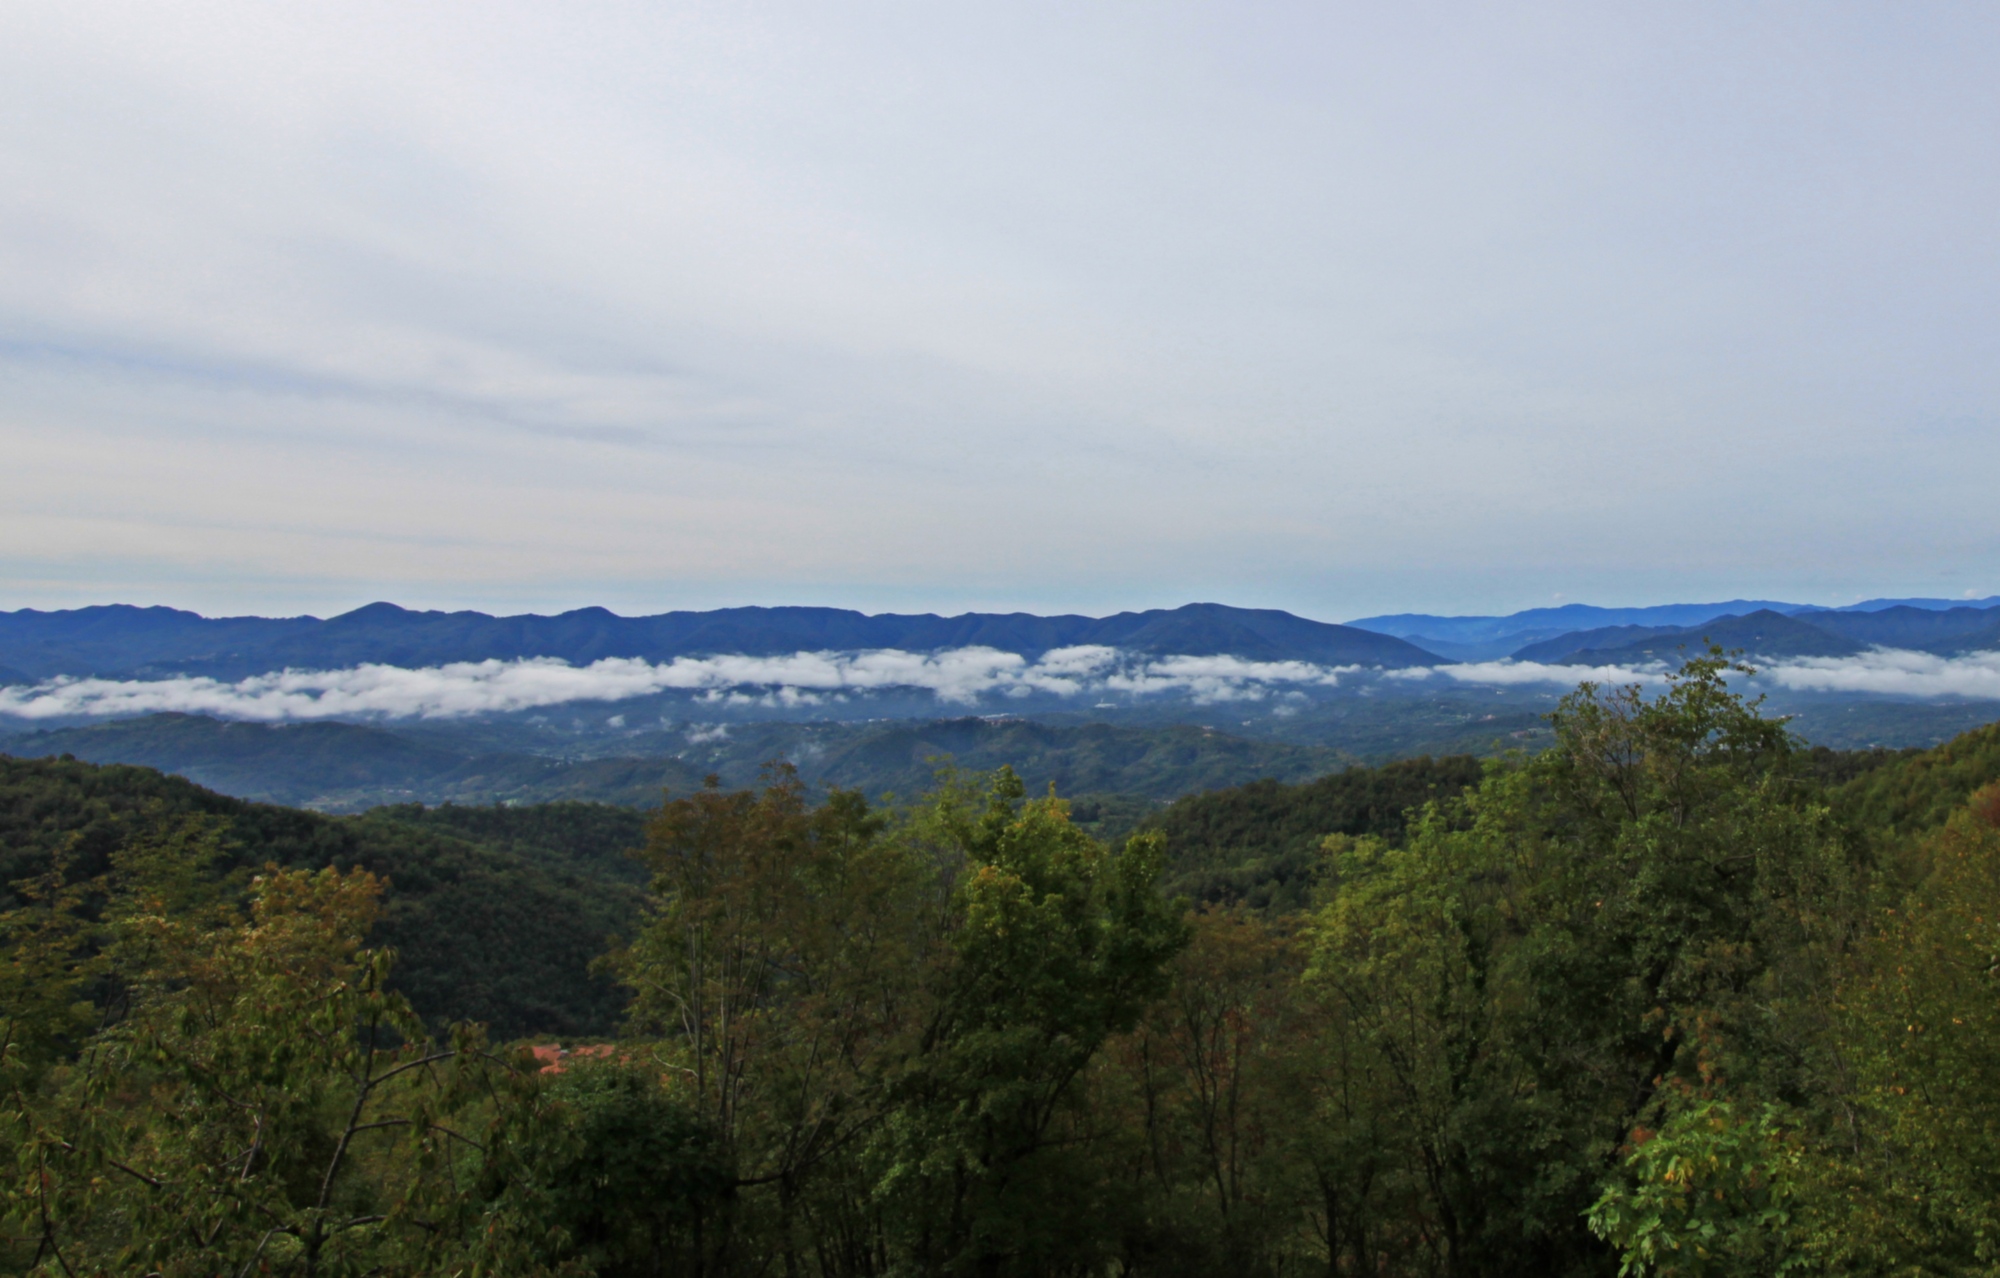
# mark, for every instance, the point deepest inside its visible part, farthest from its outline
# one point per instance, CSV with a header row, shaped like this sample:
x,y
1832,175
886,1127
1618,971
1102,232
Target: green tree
x,y
775,971
258,1099
1057,943
1215,1091
1643,917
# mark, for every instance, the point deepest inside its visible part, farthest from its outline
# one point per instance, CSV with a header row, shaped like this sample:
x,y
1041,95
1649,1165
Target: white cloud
x,y
1882,671
1894,672
1518,672
959,675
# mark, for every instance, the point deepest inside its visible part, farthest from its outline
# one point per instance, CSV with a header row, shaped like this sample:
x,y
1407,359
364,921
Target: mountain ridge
x,y
1484,638
1767,633
121,641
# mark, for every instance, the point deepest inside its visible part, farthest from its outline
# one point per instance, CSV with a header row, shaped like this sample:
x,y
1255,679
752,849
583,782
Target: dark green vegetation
x,y
1091,758
1261,843
496,914
1673,996
1923,788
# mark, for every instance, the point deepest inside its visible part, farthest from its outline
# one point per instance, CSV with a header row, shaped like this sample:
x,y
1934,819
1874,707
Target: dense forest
x,y
1676,995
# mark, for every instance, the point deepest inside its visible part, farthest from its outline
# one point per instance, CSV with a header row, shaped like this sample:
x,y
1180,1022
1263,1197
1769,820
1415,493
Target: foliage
x,y
1260,842
1673,996
1060,942
1712,1193
256,1098
1921,791
499,934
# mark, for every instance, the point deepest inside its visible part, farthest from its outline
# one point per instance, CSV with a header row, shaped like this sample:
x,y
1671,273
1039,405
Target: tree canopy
x,y
1674,996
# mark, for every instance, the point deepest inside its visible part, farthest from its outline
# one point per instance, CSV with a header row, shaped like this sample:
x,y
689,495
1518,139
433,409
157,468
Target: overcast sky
x,y
1339,308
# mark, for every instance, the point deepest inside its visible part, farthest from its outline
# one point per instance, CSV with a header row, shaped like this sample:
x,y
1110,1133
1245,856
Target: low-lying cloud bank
x,y
1914,674
1884,671
959,676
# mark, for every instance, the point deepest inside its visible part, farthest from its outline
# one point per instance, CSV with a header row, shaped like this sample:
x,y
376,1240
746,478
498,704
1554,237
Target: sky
x,y
1337,308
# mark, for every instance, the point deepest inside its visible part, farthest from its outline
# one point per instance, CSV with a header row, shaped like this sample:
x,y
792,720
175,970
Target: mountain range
x,y
1768,633
1486,638
121,641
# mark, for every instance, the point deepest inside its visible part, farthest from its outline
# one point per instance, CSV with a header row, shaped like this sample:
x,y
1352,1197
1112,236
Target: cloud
x,y
1882,671
1508,673
1894,672
959,675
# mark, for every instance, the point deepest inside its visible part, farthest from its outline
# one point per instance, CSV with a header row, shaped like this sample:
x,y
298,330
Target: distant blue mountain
x,y
1583,643
120,641
1928,605
1550,632
1763,633
1768,633
1483,638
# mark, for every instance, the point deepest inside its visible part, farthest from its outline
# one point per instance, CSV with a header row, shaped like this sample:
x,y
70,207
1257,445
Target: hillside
x,y
1260,843
1157,763
126,642
1918,791
496,918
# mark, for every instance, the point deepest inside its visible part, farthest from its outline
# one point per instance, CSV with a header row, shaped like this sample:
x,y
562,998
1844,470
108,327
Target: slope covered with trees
x,y
498,924
1667,998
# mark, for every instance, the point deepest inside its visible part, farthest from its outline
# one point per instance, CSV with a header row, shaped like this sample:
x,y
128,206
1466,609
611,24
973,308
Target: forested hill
x,y
1260,843
1672,996
497,913
124,641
